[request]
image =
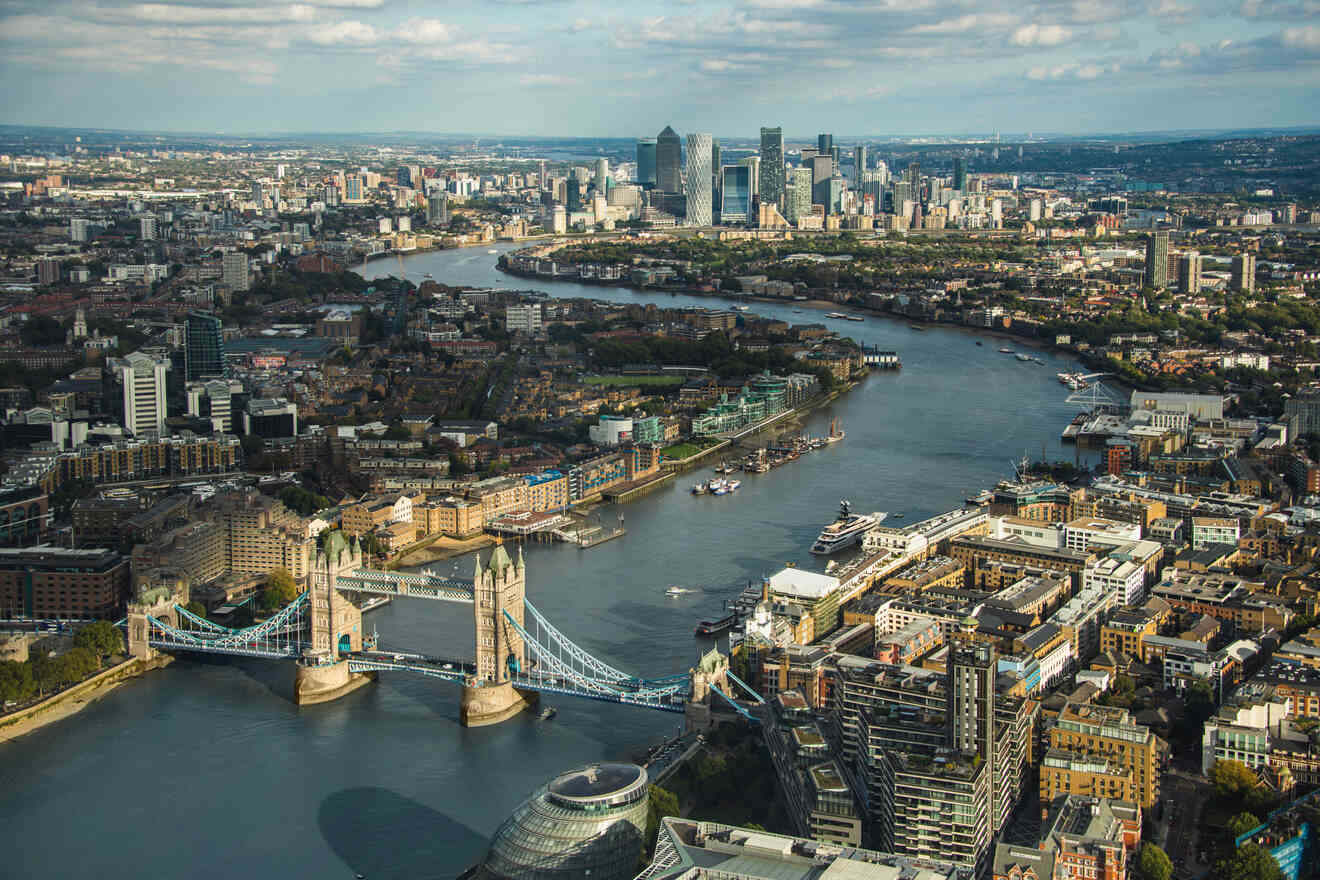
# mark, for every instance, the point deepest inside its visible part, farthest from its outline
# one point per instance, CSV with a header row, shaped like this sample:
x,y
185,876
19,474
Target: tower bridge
x,y
518,653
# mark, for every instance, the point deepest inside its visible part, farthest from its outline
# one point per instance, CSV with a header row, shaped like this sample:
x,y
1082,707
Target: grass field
x,y
646,381
683,450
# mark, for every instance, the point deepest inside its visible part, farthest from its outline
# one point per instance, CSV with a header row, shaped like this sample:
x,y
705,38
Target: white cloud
x,y
546,79
1307,37
423,30
1041,35
169,13
965,23
343,33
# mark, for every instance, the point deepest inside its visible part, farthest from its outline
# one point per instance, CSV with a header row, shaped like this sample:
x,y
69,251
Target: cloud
x,y
547,79
966,23
170,13
1041,35
341,33
423,30
1072,71
1305,38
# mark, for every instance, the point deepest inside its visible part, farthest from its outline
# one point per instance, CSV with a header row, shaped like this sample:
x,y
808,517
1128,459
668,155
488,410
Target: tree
x,y
1232,779
1153,863
100,638
663,803
16,682
195,607
1240,824
1248,862
281,583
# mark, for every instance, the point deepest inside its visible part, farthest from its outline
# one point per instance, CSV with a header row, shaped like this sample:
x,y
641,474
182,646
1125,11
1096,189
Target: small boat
x,y
898,516
701,488
547,713
1007,351
677,591
741,308
978,342
1025,358
797,311
492,251
428,275
835,315
836,433
917,327
854,317
733,485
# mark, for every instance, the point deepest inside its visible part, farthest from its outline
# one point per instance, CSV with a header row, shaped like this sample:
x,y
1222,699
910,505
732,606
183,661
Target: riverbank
x,y
441,548
73,700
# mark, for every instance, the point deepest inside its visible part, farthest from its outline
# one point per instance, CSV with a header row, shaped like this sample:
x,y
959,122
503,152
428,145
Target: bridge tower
x,y
336,625
497,589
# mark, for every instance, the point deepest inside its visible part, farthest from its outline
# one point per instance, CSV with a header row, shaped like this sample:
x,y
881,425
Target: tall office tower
x,y
1243,275
700,150
859,166
234,270
1157,260
204,347
902,195
669,162
646,162
716,163
825,144
735,194
143,378
914,174
258,194
822,169
403,176
959,173
797,197
541,179
573,197
753,164
770,181
147,228
1189,273
602,174
437,208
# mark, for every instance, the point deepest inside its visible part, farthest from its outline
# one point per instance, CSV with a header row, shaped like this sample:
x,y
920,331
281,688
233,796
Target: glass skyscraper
x,y
770,186
859,166
204,347
646,162
700,151
669,161
736,194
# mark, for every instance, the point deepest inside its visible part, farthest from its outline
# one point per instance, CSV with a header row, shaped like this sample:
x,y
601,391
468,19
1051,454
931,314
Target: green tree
x,y
662,803
1240,824
101,638
16,682
281,589
1153,863
1248,862
195,607
1232,779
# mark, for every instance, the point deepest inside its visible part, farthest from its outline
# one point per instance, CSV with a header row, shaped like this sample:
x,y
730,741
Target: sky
x,y
629,67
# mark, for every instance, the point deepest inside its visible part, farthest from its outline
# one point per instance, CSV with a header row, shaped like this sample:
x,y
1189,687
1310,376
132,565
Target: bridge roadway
x,y
402,584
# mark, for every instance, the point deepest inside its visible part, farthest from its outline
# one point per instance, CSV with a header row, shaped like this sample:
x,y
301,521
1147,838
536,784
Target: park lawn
x,y
645,381
682,450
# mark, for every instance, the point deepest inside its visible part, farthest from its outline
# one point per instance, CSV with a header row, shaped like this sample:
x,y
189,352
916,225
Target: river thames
x,y
206,769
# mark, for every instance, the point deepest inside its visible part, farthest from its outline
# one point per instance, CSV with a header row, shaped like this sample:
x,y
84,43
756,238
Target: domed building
x,y
589,822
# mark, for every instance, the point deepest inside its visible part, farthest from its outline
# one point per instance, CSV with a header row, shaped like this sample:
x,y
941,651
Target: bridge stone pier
x,y
321,674
498,593
156,593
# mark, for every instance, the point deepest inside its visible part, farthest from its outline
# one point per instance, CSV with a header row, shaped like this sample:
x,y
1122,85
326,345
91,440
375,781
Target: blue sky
x,y
567,67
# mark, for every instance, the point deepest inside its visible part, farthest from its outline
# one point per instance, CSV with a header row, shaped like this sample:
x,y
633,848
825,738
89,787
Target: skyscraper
x,y
574,194
822,169
735,194
1157,259
602,174
959,173
971,667
669,162
797,196
143,378
234,270
770,181
1243,273
716,163
204,347
646,162
753,164
1189,273
700,150
825,144
859,166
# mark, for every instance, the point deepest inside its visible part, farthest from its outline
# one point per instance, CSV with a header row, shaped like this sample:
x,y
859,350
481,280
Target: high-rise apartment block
x,y
234,271
771,178
797,198
700,149
1189,273
147,229
1157,260
1243,273
669,162
143,378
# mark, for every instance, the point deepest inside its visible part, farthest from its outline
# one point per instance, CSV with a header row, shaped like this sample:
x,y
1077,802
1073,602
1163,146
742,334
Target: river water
x,y
206,769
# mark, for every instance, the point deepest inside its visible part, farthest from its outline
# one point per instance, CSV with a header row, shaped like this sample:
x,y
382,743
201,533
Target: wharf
x,y
637,488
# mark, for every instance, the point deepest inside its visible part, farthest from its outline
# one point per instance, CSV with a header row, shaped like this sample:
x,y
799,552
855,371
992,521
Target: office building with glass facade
x,y
669,162
736,194
646,162
700,150
204,347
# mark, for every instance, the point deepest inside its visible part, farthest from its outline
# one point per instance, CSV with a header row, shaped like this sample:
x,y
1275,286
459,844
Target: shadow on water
x,y
382,835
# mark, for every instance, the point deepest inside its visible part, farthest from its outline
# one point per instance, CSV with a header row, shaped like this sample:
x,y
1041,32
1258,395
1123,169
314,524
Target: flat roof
x,y
802,584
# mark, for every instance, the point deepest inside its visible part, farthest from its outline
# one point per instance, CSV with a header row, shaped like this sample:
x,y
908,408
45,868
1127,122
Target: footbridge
x,y
518,652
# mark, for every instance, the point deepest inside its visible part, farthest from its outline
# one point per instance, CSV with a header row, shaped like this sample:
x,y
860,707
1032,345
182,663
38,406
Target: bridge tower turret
x,y
498,590
335,620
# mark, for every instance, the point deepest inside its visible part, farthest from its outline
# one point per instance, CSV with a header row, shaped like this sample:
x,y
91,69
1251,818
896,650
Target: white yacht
x,y
845,531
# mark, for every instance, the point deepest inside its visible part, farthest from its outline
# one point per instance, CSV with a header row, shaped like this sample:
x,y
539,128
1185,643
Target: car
x,y
449,666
